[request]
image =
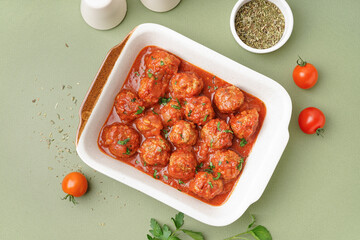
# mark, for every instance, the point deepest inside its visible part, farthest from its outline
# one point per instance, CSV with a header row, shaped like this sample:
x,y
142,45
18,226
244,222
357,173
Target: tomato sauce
x,y
211,83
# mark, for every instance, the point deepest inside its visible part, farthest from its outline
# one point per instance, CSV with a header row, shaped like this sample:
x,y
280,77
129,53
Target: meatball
x,y
205,186
245,123
216,134
228,99
182,165
123,141
128,106
151,89
171,113
183,133
228,163
162,63
199,110
185,85
155,151
150,124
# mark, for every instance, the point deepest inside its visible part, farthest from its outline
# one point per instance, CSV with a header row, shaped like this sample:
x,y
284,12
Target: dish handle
x,y
98,84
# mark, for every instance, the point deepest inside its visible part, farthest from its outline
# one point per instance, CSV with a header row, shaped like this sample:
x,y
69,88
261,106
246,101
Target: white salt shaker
x,y
103,14
160,5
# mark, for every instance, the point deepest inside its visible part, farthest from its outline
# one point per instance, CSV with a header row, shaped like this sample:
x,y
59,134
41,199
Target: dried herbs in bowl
x,y
259,24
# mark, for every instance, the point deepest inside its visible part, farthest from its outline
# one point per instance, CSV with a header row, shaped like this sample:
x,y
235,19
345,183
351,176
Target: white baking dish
x,y
265,154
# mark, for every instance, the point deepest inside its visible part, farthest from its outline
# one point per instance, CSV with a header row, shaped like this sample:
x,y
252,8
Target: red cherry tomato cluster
x,y
311,119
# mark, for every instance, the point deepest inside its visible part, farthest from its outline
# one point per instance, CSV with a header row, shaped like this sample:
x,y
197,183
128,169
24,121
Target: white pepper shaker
x,y
103,14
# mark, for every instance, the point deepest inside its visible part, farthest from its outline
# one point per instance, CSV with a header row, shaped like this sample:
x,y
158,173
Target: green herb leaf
x,y
150,237
133,100
155,173
141,109
150,75
152,58
205,117
181,182
161,63
253,221
175,106
123,142
240,165
166,232
219,163
156,228
137,73
154,112
166,133
203,104
260,233
159,149
178,102
211,165
210,183
217,177
228,131
164,100
165,177
178,220
218,127
194,235
189,114
209,87
216,87
243,142
128,151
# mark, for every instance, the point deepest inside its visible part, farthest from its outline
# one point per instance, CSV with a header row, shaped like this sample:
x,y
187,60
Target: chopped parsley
x,y
128,151
228,131
189,114
217,177
154,112
210,183
211,143
159,150
165,177
161,63
155,174
215,88
169,120
209,87
166,133
164,100
152,58
205,117
203,104
133,100
175,106
181,182
175,82
219,163
123,142
240,165
211,165
141,109
178,102
218,127
243,142
150,75
137,73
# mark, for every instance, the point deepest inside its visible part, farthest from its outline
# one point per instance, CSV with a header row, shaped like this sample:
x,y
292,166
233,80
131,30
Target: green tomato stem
x,y
320,132
301,62
71,199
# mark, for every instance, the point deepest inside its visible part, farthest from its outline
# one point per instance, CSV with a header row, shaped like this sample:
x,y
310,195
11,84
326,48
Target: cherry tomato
x,y
305,74
312,120
75,185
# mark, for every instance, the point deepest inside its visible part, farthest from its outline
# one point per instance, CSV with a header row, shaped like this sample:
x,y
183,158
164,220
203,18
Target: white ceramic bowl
x,y
103,14
289,24
266,151
160,5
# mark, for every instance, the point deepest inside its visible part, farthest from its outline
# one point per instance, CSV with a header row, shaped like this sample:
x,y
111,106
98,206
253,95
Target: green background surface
x,y
314,192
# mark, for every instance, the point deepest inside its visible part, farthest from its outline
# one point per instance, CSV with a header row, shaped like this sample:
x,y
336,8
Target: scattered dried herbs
x,y
260,24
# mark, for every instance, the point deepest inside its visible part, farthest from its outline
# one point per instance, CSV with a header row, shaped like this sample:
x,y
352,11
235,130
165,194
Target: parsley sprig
x,y
164,232
259,232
